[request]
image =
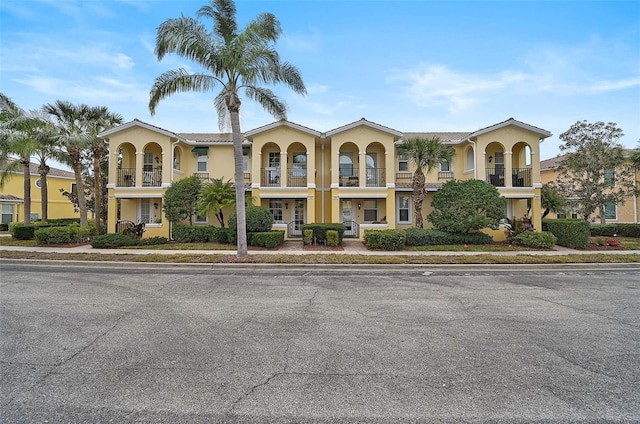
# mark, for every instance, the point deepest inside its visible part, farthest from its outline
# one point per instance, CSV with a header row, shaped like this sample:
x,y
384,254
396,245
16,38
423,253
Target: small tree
x,y
551,199
215,196
595,171
181,199
464,206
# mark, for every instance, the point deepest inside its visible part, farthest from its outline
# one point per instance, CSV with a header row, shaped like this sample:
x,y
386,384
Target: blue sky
x,y
409,65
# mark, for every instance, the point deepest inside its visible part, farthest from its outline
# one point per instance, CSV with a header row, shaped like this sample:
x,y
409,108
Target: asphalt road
x,y
329,344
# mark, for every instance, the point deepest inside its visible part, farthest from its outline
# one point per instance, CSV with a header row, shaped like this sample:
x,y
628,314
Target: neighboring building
x,y
629,212
59,206
352,174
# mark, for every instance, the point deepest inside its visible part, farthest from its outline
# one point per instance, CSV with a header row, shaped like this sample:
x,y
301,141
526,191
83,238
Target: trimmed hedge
x,y
4,227
61,222
385,239
113,240
268,239
307,237
611,230
23,232
573,233
200,234
320,231
430,237
535,239
62,235
332,238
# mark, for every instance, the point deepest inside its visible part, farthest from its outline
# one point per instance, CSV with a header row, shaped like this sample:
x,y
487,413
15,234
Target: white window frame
x,y
176,158
403,162
275,207
202,161
615,210
448,165
7,211
400,208
370,205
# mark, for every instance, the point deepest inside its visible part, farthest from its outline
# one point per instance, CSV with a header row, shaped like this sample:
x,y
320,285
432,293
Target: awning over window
x,y
200,150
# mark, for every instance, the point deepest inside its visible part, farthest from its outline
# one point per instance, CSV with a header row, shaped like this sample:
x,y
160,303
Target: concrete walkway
x,y
295,247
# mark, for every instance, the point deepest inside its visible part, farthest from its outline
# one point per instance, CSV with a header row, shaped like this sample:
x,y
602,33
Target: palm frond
x,y
185,37
179,81
268,100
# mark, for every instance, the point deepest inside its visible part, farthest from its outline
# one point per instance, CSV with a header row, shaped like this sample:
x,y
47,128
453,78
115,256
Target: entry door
x,y
347,214
298,215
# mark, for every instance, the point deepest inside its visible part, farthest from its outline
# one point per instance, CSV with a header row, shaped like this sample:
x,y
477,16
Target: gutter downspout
x,y
322,182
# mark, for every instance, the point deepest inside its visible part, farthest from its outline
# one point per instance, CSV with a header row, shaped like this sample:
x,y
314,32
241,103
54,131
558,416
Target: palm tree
x,y
426,154
73,139
234,60
46,138
215,196
99,119
18,136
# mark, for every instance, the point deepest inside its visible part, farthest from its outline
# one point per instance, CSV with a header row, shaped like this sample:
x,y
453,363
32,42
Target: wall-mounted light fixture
x,y
155,205
490,159
286,205
359,206
157,159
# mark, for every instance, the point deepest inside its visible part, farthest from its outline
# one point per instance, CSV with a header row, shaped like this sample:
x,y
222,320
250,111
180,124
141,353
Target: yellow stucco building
x,y
59,206
352,174
627,212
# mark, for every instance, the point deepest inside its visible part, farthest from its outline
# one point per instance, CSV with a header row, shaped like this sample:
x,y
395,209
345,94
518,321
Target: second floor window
x,y
610,178
202,163
346,164
404,209
403,163
445,166
610,211
176,158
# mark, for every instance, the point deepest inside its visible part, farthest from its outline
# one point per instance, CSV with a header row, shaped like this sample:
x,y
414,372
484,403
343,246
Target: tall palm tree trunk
x,y
44,191
82,201
418,195
27,190
97,190
233,104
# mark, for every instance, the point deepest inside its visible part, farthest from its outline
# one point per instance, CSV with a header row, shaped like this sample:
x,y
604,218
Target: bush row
x,y
113,240
62,235
268,239
21,231
319,232
572,233
430,237
200,234
385,239
611,230
535,240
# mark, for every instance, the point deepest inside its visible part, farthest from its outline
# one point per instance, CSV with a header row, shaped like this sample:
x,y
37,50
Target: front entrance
x,y
347,214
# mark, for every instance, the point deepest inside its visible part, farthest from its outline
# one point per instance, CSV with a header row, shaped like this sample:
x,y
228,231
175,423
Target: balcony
x,y
202,176
349,177
296,177
375,177
404,179
126,177
521,177
152,177
445,175
270,177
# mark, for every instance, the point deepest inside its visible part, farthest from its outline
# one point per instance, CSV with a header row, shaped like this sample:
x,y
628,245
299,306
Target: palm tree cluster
x,y
62,131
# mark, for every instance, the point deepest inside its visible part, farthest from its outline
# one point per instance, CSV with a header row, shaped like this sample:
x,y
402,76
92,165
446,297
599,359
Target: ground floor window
x,y
610,211
275,207
200,219
7,213
370,207
404,209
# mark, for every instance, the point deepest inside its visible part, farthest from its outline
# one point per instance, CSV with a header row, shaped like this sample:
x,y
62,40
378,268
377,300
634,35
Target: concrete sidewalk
x,y
294,247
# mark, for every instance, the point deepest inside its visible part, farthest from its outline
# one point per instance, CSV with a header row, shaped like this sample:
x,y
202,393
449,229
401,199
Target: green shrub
x,y
612,230
332,238
385,239
56,235
151,241
307,237
23,232
4,227
112,240
61,222
320,231
200,234
535,239
430,237
573,233
269,239
259,220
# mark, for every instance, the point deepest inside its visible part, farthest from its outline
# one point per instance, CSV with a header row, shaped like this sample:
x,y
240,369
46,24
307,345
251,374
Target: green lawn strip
x,y
330,258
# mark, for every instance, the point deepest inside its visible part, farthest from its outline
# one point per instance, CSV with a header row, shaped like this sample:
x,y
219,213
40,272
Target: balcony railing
x,y
247,180
126,177
202,176
296,177
270,177
445,175
404,179
152,178
375,177
349,177
495,176
521,177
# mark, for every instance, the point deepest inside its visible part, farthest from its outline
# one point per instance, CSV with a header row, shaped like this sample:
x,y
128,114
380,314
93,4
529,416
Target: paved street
x,y
181,344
